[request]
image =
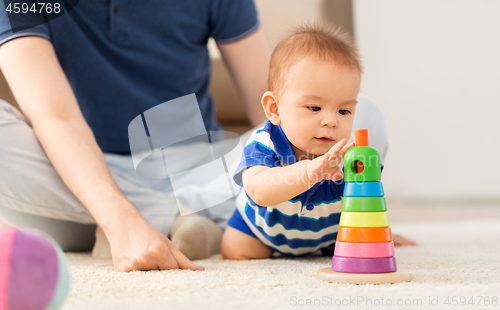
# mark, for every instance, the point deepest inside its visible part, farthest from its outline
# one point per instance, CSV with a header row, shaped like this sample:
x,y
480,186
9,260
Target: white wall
x,y
278,17
434,68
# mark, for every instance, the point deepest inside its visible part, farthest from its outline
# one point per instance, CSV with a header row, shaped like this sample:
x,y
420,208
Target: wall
x,y
434,68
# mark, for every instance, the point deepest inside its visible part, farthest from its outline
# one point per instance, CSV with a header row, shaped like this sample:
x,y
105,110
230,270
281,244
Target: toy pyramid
x,y
364,250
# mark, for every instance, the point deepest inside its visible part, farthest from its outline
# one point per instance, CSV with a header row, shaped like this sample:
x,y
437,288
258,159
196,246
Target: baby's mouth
x,y
324,139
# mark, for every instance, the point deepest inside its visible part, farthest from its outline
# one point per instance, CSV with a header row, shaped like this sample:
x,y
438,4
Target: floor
x,y
457,262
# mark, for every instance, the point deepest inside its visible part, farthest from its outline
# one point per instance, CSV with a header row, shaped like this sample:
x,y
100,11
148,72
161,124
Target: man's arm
x,y
43,92
248,62
45,97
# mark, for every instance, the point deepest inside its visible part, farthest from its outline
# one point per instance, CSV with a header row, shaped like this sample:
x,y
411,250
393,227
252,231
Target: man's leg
x,y
32,193
71,236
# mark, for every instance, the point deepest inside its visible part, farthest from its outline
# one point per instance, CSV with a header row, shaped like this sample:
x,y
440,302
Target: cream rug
x,y
457,261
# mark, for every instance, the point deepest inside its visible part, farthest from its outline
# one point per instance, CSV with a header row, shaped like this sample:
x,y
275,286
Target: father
x,y
80,79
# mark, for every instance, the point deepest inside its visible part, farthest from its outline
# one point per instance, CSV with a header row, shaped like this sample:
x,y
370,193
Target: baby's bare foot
x,y
402,241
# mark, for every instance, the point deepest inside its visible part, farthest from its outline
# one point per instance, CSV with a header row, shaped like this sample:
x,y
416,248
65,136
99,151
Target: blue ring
x,y
363,189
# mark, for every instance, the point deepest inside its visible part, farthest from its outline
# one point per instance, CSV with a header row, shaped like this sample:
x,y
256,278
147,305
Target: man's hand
x,y
138,245
326,167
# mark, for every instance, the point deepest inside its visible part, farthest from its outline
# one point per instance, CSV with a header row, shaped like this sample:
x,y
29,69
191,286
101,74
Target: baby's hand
x,y
327,166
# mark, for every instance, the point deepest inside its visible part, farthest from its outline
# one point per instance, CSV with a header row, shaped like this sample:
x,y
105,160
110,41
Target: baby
x,y
290,169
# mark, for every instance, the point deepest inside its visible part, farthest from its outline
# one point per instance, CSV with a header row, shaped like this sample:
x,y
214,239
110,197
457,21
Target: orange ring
x,y
364,234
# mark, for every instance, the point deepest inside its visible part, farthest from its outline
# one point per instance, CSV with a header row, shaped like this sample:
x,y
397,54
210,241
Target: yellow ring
x,y
364,219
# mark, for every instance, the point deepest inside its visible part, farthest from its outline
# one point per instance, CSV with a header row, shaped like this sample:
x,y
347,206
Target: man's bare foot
x,y
197,237
402,241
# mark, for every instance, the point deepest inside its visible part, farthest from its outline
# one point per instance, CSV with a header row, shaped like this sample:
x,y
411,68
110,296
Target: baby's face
x,y
317,106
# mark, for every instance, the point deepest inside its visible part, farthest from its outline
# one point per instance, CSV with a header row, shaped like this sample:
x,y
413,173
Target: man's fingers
x,y
183,261
168,261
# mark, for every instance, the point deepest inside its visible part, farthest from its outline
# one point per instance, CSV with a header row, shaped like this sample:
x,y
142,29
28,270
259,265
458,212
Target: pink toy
x,y
33,270
364,250
364,265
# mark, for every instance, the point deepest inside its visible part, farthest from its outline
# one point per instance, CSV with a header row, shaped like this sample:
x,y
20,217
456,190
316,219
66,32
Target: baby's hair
x,y
324,41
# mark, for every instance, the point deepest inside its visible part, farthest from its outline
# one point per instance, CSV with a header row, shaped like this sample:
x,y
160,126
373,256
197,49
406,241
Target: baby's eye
x,y
344,112
314,109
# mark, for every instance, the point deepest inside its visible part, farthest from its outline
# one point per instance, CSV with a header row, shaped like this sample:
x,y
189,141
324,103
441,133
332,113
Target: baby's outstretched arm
x,y
271,186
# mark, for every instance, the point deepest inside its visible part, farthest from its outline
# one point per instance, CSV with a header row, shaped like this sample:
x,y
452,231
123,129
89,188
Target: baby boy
x,y
290,169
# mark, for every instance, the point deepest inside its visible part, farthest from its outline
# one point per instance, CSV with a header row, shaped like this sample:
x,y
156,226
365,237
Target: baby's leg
x,y
240,246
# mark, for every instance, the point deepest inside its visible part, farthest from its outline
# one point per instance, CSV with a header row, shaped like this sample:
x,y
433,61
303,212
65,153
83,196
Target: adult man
x,y
80,79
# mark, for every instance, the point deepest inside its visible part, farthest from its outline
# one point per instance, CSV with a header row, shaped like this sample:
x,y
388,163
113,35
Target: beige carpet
x,y
458,255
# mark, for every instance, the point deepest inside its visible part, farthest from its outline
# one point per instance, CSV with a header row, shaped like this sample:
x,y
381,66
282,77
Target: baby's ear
x,y
270,105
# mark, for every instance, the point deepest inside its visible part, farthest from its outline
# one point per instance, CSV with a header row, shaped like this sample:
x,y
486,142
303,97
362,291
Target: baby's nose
x,y
329,121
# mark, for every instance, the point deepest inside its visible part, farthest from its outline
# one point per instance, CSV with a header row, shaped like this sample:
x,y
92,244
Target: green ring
x,y
364,204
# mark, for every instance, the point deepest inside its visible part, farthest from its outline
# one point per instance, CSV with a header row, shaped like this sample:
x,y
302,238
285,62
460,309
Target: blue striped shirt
x,y
300,226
